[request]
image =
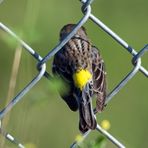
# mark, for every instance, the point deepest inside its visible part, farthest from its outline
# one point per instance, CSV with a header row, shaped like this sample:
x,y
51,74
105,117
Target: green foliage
x,y
39,22
57,84
32,35
99,142
11,42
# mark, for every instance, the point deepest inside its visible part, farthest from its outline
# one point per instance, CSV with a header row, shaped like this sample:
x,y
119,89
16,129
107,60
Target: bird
x,y
79,64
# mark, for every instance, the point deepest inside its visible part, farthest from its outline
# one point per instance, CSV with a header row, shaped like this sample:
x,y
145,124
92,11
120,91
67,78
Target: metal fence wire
x,y
41,66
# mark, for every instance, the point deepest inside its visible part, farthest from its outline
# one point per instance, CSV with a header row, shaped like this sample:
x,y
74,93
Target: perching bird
x,y
80,65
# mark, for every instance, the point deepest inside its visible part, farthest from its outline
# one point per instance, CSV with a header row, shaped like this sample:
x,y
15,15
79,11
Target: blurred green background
x,y
42,118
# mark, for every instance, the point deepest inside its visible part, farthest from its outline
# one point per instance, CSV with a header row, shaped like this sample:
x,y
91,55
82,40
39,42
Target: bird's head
x,y
69,27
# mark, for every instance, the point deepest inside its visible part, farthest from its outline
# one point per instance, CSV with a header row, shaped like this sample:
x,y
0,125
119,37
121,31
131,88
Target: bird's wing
x,y
61,68
99,79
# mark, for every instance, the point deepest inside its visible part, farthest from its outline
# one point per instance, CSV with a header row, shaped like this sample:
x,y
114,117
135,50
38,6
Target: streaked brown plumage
x,y
79,56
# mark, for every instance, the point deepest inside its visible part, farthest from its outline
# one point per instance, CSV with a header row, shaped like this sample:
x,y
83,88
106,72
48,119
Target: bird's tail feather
x,y
87,117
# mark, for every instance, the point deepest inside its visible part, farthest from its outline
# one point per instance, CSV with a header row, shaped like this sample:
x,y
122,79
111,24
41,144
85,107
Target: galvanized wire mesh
x,y
86,9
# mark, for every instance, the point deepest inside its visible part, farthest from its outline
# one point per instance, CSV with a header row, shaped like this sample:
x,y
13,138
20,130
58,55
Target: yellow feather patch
x,y
81,78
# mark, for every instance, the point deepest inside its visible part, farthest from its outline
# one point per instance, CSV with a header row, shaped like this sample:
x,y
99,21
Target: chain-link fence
x,y
41,66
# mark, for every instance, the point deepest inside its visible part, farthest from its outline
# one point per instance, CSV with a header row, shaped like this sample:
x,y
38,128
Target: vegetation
x,y
42,119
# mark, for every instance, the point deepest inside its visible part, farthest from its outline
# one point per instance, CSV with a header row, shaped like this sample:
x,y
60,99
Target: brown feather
x,y
99,79
78,54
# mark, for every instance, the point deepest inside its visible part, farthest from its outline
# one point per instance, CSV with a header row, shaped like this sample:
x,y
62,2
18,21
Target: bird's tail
x,y
87,117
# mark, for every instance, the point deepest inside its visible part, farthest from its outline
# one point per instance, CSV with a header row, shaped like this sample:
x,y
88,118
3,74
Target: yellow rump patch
x,y
81,78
